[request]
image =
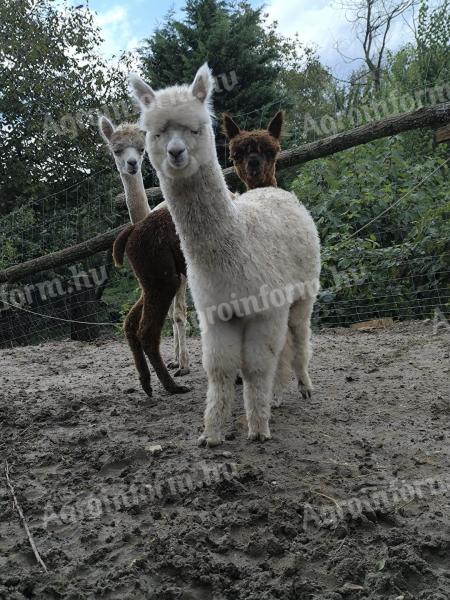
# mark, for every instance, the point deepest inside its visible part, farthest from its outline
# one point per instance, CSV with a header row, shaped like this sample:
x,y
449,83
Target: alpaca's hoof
x,y
259,437
276,401
146,386
238,380
209,440
180,389
305,390
173,364
182,371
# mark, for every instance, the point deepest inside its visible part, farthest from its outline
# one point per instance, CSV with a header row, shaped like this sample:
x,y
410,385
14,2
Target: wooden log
x,y
70,255
373,324
442,134
427,116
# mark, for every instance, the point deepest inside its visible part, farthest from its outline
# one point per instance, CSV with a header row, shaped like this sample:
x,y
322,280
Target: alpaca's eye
x,y
157,135
194,131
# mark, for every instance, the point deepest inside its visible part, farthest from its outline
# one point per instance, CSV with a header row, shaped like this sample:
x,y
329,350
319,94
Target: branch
x,y
370,29
347,59
428,116
400,9
22,517
383,42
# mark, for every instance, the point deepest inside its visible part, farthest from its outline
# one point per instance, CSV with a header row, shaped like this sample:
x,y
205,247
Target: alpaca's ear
x,y
203,83
276,125
141,90
106,127
229,127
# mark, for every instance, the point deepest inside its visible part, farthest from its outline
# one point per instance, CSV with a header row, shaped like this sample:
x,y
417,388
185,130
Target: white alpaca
x,y
242,257
127,144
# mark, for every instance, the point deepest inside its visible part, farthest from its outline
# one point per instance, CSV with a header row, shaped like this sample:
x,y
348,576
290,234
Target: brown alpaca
x,y
126,143
254,153
153,249
154,252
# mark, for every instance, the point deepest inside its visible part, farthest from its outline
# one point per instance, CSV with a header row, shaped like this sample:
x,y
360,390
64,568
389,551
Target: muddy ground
x,y
115,518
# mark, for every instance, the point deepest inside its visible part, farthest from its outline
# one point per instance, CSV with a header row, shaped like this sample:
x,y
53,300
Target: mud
x,y
115,516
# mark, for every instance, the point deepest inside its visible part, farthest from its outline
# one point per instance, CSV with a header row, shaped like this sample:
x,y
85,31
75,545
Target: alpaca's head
x,y
127,144
178,123
254,153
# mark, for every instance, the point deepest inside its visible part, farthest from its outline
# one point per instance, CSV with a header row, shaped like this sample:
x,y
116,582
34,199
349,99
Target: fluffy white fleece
x,y
263,242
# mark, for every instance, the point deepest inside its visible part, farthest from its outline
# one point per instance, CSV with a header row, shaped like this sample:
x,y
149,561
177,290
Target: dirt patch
x,y
114,516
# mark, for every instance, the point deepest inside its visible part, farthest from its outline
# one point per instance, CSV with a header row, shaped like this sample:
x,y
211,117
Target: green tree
x,y
312,93
245,52
51,80
382,214
426,63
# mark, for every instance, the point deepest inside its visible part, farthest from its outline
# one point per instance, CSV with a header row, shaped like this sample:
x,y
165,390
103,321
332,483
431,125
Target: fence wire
x,y
88,300
80,308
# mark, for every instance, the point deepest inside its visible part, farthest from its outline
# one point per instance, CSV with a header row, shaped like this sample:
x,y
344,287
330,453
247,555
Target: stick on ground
x,y
336,503
22,517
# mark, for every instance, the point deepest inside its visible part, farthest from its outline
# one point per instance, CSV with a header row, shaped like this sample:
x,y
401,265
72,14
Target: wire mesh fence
x,y
60,220
54,306
88,300
414,290
79,307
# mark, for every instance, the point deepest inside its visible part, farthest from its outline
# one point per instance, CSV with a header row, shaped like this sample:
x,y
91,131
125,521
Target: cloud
x,y
324,25
117,30
116,14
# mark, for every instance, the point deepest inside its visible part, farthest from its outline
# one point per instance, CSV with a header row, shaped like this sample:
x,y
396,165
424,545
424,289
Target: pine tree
x,y
244,52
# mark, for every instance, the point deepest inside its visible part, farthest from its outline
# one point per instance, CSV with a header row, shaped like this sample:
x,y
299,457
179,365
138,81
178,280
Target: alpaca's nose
x,y
253,162
176,151
132,162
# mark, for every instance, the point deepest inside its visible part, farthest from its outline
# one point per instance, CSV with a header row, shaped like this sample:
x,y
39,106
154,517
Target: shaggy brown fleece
x,y
254,153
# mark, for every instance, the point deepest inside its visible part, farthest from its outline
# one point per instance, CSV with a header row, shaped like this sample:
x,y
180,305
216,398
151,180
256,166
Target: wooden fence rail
x,y
428,116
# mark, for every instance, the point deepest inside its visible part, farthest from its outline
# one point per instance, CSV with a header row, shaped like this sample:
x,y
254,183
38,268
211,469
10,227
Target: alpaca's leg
x,y
131,326
300,329
180,318
156,306
221,345
175,363
284,370
264,338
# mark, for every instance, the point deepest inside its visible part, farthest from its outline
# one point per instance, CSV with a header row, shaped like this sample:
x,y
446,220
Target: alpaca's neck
x,y
135,196
205,216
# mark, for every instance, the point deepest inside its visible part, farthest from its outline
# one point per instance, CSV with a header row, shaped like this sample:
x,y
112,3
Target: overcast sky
x,y
319,22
